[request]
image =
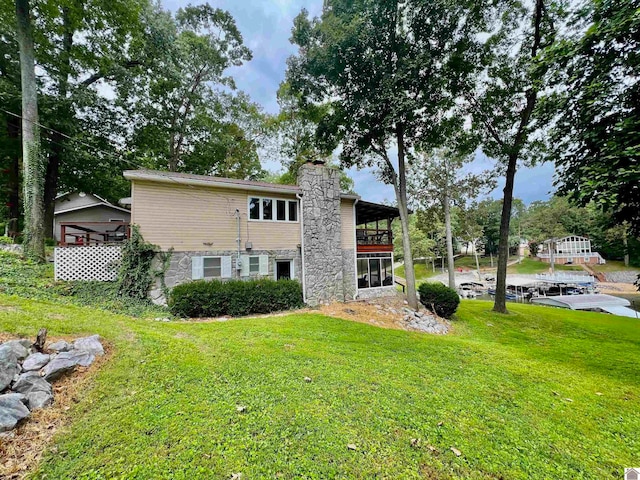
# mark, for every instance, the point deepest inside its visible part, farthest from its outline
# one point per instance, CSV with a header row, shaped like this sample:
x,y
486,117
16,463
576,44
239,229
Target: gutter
x,y
304,292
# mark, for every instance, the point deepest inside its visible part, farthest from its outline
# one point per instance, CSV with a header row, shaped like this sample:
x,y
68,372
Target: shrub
x,y
4,240
438,298
204,298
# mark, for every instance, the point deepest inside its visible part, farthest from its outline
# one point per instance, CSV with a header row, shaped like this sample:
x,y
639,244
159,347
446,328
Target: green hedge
x,y
236,298
439,298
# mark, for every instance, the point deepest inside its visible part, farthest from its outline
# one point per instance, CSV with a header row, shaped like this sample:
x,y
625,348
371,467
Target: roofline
x,y
207,181
108,205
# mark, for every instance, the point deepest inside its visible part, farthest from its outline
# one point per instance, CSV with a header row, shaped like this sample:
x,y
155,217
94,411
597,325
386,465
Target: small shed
x,y
86,208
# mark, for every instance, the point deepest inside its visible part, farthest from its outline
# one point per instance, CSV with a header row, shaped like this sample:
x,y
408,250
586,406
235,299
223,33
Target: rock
x,y
36,389
12,410
35,361
89,344
9,368
17,348
66,362
60,346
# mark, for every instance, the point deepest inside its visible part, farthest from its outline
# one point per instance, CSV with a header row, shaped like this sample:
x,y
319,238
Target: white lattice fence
x,y
97,262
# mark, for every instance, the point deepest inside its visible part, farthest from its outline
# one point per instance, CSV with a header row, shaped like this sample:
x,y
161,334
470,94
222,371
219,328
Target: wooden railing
x,y
374,240
93,233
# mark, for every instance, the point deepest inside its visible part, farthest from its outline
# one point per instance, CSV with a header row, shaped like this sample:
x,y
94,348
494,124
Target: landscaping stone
x,y
19,348
66,362
60,346
89,344
425,322
35,361
9,368
12,410
36,389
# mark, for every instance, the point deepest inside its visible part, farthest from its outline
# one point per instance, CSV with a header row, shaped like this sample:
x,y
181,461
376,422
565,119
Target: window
x,y
281,210
293,211
254,265
254,208
212,267
267,209
273,209
374,270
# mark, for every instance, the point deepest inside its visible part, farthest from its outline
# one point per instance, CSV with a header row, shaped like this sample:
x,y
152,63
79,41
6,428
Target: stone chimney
x,y
321,230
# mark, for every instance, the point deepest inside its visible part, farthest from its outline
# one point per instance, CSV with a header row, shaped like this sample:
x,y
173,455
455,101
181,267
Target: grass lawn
x,y
517,395
530,266
421,270
614,266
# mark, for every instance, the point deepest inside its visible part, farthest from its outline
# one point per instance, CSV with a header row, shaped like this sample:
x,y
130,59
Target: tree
x,y
436,181
596,138
502,107
388,73
422,244
32,157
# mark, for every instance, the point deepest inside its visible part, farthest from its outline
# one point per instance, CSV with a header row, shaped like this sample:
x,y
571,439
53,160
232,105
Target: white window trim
x,y
208,257
291,262
274,209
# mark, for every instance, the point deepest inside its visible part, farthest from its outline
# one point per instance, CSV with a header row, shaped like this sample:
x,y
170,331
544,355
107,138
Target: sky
x,y
266,28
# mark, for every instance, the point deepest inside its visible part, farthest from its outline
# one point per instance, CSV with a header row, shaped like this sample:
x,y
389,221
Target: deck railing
x,y
93,233
373,236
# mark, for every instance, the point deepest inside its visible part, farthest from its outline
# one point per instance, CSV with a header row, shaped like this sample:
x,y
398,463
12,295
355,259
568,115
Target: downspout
x,y
304,292
238,261
355,249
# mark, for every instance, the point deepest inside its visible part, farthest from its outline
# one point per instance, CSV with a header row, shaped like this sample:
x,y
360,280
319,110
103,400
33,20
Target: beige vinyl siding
x,y
203,218
348,224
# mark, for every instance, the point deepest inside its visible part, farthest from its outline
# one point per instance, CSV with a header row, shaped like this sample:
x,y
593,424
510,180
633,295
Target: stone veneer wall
x,y
376,292
349,274
321,230
180,267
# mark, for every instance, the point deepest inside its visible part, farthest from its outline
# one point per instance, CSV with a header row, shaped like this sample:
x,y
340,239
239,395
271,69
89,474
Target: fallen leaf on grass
x,y
240,409
307,379
440,424
352,446
415,442
599,394
432,448
236,476
568,400
456,451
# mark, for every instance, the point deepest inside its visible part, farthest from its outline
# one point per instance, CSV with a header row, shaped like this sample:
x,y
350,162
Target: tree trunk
x,y
401,195
32,158
475,251
447,225
13,131
625,242
500,304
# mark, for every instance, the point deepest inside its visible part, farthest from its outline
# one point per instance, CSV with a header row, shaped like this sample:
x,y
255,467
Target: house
x,y
338,246
570,249
84,218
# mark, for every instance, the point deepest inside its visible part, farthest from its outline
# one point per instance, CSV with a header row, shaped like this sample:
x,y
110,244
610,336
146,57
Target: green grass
x,y
614,266
531,266
421,270
497,389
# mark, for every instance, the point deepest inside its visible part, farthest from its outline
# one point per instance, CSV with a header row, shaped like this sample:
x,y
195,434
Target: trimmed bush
x,y
204,298
440,299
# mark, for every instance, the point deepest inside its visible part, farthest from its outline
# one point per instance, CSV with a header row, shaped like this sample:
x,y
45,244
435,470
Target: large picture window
x,y
273,209
374,270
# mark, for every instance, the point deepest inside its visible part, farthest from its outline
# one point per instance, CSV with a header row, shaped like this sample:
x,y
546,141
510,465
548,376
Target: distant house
x,y
84,218
338,246
571,249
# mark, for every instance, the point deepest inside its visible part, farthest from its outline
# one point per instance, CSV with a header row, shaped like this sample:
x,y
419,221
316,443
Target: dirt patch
x,y
21,449
609,287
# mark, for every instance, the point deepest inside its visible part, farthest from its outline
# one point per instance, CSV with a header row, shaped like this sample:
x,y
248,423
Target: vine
x,y
135,276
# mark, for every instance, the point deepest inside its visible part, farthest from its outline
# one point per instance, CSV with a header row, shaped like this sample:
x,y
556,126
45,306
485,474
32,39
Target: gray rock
x,y
17,347
12,410
35,361
60,346
36,389
89,344
66,362
9,368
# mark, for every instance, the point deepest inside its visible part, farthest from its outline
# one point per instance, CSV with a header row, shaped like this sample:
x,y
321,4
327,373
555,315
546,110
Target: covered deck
x,y
373,227
93,233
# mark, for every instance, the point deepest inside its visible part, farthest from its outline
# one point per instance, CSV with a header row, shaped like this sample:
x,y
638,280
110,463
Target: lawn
x,y
614,266
517,395
531,266
422,271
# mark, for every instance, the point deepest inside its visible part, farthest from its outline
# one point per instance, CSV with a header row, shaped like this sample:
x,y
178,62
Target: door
x,y
284,269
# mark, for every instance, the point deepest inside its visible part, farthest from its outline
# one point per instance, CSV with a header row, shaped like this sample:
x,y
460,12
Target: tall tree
x,y
437,180
502,107
389,72
596,138
32,157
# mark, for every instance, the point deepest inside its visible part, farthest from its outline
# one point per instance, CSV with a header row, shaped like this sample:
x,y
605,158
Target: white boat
x,y
598,302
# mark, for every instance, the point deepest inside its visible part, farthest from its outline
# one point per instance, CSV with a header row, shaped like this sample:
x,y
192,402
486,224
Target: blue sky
x,y
266,28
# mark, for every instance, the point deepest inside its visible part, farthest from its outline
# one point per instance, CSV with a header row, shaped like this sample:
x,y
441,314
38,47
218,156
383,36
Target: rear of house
x,y
337,246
